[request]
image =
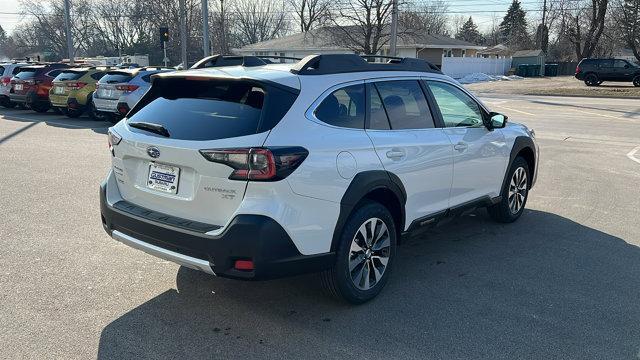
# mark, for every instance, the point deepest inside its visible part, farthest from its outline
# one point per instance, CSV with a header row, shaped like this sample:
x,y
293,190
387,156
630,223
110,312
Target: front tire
x,y
636,81
514,193
365,255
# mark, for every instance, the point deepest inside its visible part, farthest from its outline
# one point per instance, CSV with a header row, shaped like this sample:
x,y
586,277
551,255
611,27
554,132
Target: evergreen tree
x,y
469,32
513,28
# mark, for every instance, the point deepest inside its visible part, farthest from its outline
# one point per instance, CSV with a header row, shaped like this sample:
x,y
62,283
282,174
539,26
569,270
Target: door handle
x,y
461,146
395,154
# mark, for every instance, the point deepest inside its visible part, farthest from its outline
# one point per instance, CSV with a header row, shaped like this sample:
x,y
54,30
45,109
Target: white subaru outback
x,y
263,170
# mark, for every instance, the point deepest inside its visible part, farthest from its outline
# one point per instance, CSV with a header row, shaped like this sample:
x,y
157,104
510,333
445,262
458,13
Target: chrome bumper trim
x,y
184,260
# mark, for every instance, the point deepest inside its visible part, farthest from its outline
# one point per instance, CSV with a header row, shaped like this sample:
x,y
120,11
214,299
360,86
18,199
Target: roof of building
x,y
499,49
528,53
325,39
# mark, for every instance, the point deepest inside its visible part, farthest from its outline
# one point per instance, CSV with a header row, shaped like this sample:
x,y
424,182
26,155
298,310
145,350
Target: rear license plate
x,y
59,90
163,178
18,87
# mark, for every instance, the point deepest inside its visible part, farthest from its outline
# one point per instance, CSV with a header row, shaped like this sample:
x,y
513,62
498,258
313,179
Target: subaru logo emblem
x,y
153,152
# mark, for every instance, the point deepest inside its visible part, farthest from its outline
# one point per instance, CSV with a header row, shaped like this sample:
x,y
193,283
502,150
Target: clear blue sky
x,y
481,10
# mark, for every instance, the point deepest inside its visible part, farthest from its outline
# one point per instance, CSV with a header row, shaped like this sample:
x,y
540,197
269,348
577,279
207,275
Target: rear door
x,y
407,141
480,156
168,173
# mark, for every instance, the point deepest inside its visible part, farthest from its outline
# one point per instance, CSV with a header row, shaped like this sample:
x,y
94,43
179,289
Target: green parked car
x,y
72,91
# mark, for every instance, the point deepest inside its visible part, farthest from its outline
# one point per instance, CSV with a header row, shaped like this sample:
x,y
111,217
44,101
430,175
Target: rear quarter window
x,y
211,110
16,70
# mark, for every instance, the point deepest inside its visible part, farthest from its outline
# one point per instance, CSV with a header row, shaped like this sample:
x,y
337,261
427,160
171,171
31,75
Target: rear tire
x,y
74,113
92,112
365,255
8,104
40,108
514,193
592,80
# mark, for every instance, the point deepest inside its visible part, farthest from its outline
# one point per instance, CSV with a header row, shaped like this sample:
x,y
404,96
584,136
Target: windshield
x,y
210,110
26,74
69,75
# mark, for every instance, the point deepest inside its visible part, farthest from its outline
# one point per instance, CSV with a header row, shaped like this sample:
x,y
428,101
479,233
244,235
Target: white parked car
x,y
119,90
256,172
7,71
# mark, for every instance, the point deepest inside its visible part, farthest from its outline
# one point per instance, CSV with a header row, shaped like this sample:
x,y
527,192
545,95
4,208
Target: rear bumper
x,y
58,100
29,98
579,76
248,237
106,105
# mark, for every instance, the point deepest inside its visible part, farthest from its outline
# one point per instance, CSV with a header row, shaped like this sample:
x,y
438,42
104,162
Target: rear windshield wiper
x,y
151,127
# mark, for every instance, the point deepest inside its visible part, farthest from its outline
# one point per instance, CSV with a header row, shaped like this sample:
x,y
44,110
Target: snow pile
x,y
481,77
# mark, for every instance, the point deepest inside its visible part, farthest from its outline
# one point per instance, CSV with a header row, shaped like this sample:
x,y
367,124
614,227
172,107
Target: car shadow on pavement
x,y
543,287
56,120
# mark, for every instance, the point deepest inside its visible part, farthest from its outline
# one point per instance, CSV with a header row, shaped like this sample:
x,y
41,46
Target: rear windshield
x,y
26,73
115,78
69,75
210,110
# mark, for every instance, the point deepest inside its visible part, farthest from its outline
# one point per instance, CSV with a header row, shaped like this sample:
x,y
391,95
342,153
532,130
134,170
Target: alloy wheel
x,y
517,190
369,254
636,81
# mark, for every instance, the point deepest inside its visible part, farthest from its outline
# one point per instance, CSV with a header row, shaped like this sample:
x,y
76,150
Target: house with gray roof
x,y
429,47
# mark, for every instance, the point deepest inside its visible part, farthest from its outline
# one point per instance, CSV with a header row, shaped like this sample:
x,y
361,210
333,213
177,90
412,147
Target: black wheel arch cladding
x,y
362,185
523,146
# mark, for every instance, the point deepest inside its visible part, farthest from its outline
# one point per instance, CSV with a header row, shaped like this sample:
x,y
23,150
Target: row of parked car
x,y
101,92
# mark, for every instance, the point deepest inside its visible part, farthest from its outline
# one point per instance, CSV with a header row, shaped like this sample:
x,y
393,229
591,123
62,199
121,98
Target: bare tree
x,y
259,20
362,25
587,20
310,13
628,15
427,17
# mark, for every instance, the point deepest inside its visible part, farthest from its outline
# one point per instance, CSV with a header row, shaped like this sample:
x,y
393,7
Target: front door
x,y
480,156
402,129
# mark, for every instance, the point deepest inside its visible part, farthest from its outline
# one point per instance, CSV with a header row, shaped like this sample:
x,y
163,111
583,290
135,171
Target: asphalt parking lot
x,y
562,282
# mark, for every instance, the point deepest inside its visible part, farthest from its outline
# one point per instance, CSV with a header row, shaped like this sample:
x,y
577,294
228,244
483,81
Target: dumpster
x,y
521,70
533,70
551,69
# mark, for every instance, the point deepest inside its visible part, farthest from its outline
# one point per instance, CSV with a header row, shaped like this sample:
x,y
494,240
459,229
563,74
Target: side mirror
x,y
497,120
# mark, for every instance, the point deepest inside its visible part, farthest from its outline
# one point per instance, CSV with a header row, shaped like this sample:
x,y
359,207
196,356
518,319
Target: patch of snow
x,y
481,77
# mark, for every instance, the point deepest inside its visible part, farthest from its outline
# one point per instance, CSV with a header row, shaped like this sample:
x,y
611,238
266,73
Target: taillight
x,y
258,164
76,85
6,80
113,139
578,70
127,88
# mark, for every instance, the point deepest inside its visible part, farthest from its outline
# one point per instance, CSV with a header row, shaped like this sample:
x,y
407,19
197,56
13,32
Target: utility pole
x,y
67,25
205,28
394,28
223,38
183,33
544,12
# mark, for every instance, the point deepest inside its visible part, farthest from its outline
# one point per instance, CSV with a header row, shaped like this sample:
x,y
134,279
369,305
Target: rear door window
x,y
343,107
210,110
116,78
405,104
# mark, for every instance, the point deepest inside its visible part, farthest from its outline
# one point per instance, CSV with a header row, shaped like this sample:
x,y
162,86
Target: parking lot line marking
x,y
597,114
632,153
53,122
518,111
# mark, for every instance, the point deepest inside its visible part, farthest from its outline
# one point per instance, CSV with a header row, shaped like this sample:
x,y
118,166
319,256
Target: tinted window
x,y
377,115
69,75
405,104
343,107
1,70
207,110
620,64
97,76
456,107
115,78
54,73
605,63
26,74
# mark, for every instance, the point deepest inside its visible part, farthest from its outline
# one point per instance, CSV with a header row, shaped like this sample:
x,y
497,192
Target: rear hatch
x,y
159,164
110,86
64,83
24,81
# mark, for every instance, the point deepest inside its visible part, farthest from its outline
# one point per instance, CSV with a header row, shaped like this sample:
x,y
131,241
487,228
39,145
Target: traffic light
x,y
164,35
